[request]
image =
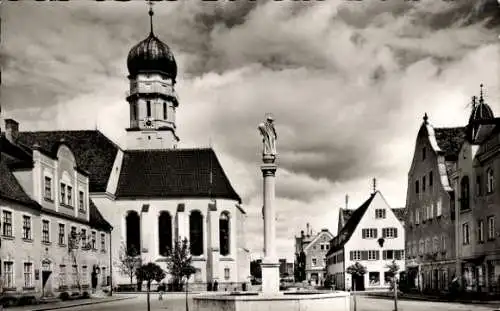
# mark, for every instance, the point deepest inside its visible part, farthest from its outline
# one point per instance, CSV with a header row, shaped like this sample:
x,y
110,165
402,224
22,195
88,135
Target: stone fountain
x,y
270,297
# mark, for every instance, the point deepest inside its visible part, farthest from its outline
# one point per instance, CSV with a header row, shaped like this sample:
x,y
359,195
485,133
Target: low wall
x,y
333,301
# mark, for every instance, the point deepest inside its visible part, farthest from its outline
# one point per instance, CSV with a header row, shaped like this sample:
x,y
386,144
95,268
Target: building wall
x,y
316,250
430,236
358,243
211,264
47,255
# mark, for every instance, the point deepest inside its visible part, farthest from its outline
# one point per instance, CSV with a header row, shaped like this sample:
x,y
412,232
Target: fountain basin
x,y
287,301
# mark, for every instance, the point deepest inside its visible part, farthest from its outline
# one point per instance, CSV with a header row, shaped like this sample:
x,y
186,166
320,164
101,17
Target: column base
x,y
270,277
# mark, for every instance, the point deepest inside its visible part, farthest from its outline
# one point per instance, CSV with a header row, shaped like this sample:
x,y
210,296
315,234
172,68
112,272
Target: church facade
x,y
152,192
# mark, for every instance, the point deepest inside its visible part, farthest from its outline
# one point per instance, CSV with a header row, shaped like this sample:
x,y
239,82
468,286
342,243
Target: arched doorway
x,y
46,279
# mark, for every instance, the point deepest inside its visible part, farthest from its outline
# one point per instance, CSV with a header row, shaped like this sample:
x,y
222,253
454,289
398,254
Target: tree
x,y
148,273
77,241
355,270
128,261
393,270
179,266
300,267
256,269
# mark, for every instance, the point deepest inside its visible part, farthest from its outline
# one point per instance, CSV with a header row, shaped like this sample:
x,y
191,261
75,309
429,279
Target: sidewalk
x,y
69,303
422,297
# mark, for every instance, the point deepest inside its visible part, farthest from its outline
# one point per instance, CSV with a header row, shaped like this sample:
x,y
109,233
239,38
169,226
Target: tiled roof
x,y
13,154
450,140
96,219
94,152
174,173
351,225
10,188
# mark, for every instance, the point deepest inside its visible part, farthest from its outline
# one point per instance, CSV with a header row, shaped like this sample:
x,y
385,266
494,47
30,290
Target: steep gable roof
x,y
173,173
96,219
351,225
94,152
316,238
400,213
10,188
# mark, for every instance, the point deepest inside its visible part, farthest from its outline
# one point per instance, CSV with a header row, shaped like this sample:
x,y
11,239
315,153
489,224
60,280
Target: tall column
x,y
270,264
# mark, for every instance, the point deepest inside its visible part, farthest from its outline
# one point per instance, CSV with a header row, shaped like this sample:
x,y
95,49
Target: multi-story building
x,y
53,238
286,268
430,203
310,251
478,201
374,236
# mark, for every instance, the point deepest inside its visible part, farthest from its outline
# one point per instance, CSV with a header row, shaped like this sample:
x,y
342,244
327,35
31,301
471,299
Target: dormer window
x,y
63,193
70,197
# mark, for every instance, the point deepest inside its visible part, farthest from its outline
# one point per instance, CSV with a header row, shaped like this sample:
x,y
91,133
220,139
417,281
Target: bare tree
x,y
128,261
77,241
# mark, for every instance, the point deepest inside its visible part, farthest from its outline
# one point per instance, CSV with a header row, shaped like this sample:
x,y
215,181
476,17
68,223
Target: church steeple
x,y
152,98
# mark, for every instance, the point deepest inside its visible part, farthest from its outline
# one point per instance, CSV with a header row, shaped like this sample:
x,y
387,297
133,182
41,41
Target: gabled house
x,y
373,236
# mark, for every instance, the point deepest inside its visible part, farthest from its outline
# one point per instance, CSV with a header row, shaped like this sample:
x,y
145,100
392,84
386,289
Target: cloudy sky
x,y
347,82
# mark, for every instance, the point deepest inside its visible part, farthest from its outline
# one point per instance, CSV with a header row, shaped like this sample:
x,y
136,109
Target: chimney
x,y
11,130
307,230
346,201
302,235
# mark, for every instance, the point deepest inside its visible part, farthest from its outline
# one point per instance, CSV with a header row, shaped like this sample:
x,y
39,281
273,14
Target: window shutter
x,y
384,255
351,255
375,234
363,233
364,255
395,232
377,255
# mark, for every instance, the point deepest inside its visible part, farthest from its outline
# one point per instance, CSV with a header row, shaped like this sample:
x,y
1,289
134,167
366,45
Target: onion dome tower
x,y
152,98
480,117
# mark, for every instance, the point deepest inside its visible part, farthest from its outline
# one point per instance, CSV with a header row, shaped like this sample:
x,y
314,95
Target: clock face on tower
x,y
148,123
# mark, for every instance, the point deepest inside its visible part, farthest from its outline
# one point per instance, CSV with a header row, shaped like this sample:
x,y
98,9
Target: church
x,y
152,192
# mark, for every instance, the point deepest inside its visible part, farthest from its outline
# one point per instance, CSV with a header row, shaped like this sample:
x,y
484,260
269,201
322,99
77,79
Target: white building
x,y
152,192
373,236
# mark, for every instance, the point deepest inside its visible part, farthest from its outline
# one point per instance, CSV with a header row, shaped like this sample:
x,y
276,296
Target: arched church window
x,y
464,191
196,233
148,108
133,233
165,233
224,234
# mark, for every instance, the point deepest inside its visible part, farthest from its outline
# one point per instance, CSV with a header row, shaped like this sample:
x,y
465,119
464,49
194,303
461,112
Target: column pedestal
x,y
270,278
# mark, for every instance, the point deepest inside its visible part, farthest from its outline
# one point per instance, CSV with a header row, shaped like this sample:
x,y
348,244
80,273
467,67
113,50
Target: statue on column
x,y
269,137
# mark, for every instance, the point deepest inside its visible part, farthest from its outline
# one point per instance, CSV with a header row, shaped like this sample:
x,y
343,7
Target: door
x,y
46,279
358,282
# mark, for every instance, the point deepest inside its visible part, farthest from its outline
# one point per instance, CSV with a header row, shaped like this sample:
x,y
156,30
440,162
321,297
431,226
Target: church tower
x,y
152,98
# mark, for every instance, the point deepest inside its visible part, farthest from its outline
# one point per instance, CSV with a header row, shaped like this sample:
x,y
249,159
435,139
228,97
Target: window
x,y
225,234
427,245
431,178
465,234
28,274
85,276
165,233
423,153
373,255
84,238
491,180
48,188
314,262
148,108
103,242
439,208
8,268
421,247
435,244
322,246
355,255
26,227
63,193
370,233
380,213
7,223
491,227
73,232
388,254
164,110
464,191
196,233
74,275
390,233
62,275
227,273
62,234
81,201
443,243
480,231
417,216
417,188
479,185
132,233
374,278
45,231
93,240
70,198
423,184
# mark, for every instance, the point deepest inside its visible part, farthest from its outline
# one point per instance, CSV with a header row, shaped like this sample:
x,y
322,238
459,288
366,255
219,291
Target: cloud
x,y
348,85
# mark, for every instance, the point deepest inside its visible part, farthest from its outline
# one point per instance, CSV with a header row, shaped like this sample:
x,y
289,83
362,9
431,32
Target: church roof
x,y
94,152
173,173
